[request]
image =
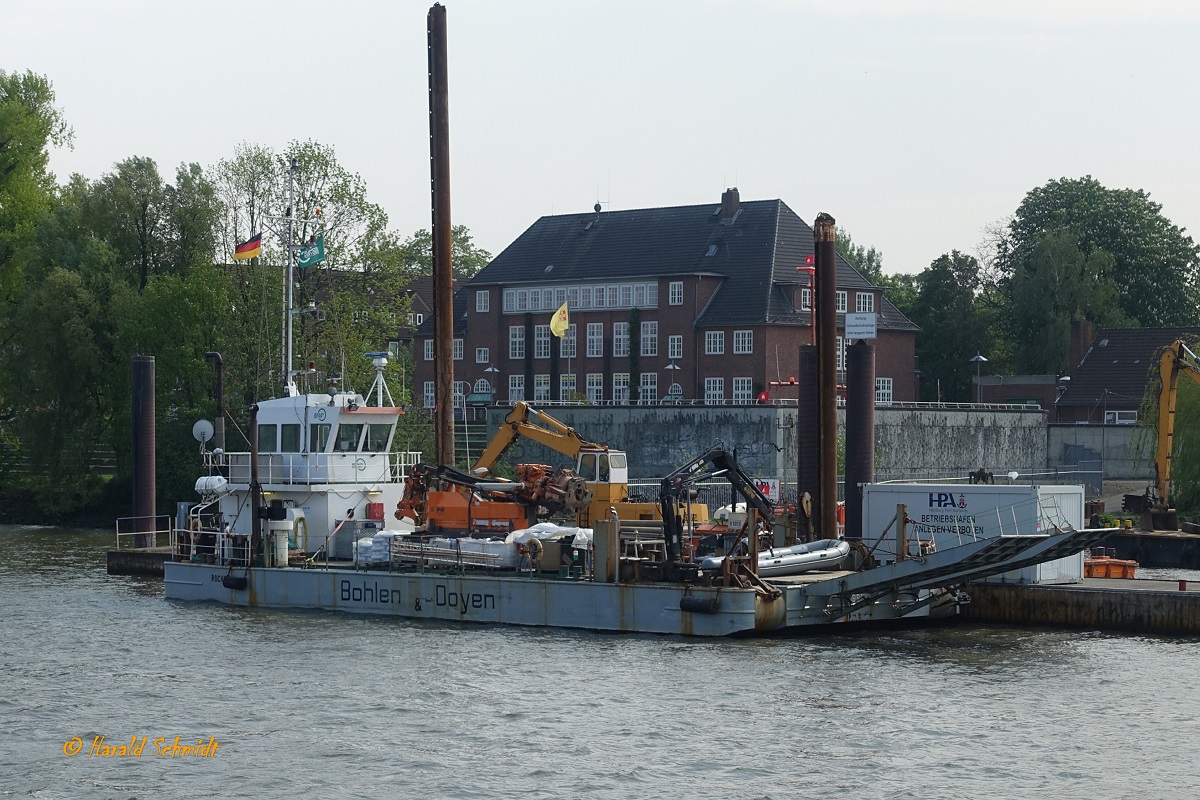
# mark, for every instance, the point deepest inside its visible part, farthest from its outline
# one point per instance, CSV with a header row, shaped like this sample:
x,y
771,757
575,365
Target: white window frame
x,y
675,346
566,345
541,341
620,390
457,348
516,388
675,293
714,391
883,391
430,394
541,388
566,387
649,343
648,388
743,342
595,340
806,299
509,300
483,355
864,302
743,391
620,339
429,349
595,388
516,342
482,386
714,343
483,301
840,301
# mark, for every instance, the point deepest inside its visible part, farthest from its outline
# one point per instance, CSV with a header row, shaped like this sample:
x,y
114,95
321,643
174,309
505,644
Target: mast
x,y
289,386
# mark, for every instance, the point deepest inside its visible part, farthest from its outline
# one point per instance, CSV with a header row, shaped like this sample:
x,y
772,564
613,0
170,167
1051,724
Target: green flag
x,y
310,254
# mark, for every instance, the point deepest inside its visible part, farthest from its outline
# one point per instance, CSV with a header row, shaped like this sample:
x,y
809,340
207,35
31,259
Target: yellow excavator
x,y
1177,359
604,469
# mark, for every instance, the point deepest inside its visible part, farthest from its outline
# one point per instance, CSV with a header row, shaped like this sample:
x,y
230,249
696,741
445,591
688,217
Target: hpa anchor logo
x,y
946,500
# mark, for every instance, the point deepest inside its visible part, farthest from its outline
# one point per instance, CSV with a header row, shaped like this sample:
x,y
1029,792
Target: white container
x,y
952,514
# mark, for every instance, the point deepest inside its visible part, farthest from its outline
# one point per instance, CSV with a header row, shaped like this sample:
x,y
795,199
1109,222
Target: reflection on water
x,y
321,704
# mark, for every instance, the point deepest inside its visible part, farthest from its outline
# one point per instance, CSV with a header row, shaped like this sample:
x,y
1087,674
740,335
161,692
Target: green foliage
x,y
1185,462
955,326
867,260
1155,266
416,254
1055,285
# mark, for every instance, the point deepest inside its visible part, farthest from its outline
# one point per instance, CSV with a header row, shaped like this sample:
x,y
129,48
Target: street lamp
x,y
979,359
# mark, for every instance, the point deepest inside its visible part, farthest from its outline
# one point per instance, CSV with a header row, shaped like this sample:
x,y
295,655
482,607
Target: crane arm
x,y
538,426
1176,359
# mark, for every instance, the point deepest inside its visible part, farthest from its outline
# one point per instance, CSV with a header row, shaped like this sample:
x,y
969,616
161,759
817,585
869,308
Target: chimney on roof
x,y
1081,340
730,203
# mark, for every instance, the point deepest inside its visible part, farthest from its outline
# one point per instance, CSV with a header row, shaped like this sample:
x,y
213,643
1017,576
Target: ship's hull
x,y
519,599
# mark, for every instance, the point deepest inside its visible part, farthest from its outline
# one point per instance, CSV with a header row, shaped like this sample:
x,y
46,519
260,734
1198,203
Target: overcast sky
x,y
915,124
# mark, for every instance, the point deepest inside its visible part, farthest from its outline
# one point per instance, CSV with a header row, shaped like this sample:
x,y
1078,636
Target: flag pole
x,y
288,387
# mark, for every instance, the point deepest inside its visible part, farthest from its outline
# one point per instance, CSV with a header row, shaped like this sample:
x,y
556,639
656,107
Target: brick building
x,y
705,303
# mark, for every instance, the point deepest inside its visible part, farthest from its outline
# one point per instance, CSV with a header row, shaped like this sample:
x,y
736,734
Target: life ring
x,y
535,551
299,532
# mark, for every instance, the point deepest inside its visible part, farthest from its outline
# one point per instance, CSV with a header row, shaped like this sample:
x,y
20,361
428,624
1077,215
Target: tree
x,y
1055,285
954,326
29,124
416,254
1155,265
867,260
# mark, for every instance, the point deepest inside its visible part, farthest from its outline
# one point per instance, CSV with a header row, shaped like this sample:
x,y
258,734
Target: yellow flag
x,y
558,323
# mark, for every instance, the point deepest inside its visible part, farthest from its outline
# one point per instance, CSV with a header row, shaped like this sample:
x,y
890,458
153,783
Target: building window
x,y
482,355
620,339
840,305
675,293
743,391
516,388
714,391
458,350
714,343
482,386
806,299
460,394
510,299
541,388
516,341
541,341
674,347
841,354
627,295
864,302
430,394
595,388
648,388
483,301
566,345
595,339
1120,417
650,338
585,297
743,342
676,391
566,387
429,349
522,300
620,393
883,391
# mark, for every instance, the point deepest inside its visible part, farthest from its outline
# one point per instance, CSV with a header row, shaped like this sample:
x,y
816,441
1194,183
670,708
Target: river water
x,y
326,705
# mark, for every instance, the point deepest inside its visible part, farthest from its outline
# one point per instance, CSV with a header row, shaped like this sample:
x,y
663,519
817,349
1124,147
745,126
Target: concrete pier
x,y
1107,604
138,561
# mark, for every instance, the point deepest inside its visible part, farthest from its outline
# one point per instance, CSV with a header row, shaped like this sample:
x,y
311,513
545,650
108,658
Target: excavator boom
x,y
1176,360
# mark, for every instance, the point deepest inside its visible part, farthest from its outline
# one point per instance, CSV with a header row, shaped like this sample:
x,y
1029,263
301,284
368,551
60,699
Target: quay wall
x,y
1110,609
908,442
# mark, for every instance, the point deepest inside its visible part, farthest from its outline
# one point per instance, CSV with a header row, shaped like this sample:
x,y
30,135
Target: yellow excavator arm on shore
x,y
527,422
1176,360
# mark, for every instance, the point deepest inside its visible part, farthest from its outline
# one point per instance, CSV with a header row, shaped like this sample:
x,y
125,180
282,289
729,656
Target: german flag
x,y
250,249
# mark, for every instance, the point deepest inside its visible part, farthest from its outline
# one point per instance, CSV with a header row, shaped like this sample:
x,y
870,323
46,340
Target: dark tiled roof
x,y
1117,367
752,256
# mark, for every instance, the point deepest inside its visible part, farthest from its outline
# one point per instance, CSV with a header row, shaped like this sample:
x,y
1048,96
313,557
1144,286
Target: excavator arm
x,y
1176,360
538,426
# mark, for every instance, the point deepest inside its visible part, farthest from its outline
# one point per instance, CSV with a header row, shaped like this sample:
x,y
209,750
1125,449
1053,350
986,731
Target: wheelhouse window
x,y
348,436
377,438
289,438
318,436
268,438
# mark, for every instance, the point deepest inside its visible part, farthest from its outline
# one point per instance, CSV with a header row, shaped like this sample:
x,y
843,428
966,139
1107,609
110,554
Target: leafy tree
x,y
416,254
955,326
867,260
1056,284
1155,265
29,124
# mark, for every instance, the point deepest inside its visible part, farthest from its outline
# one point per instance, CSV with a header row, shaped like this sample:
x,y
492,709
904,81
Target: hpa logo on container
x,y
946,500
